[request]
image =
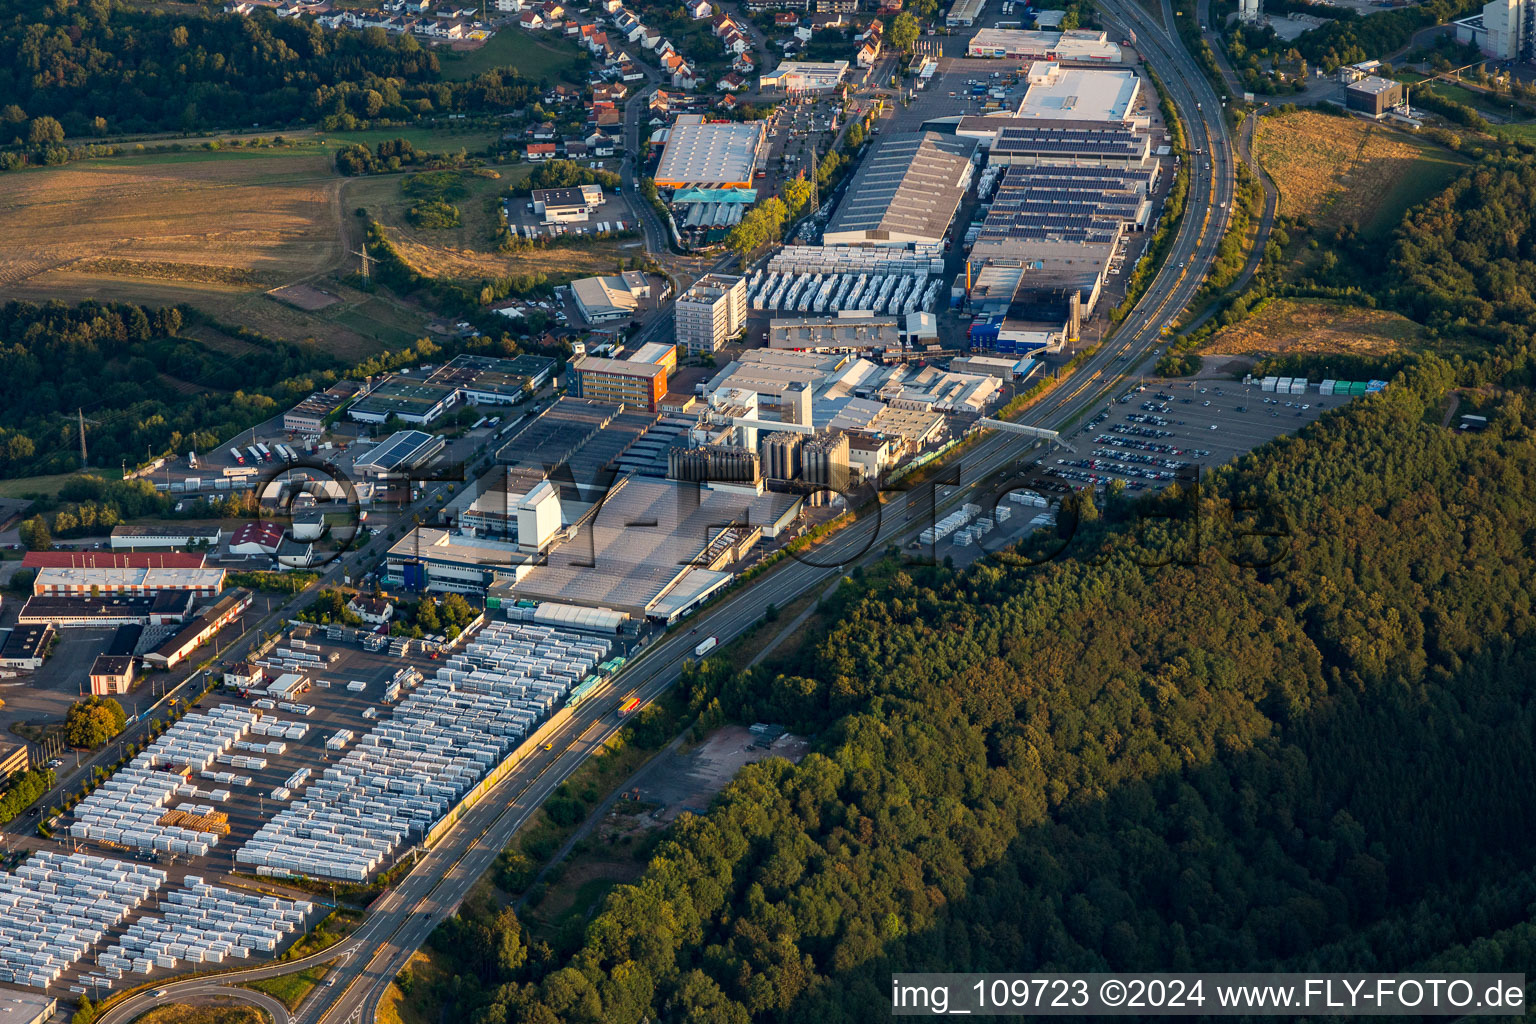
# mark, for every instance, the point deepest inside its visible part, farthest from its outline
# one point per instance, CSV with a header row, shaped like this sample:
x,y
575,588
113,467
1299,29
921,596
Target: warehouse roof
x,y
404,448
906,189
1068,139
560,197
113,560
142,579
709,153
1081,94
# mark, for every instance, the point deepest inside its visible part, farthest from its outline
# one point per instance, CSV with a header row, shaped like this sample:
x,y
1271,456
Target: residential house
x,y
785,19
685,78
744,65
508,6
720,24
541,151
597,42
542,132
631,72
650,38
562,94
609,91
663,48
575,149
698,10
803,33
731,82
600,145
727,102
609,121
868,54
530,21
553,11
875,33
374,610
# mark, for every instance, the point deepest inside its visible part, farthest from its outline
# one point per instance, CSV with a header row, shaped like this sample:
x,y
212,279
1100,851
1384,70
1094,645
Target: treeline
x,y
565,174
1350,38
142,385
97,67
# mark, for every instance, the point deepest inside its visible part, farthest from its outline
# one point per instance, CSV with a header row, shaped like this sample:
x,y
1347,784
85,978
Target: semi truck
x,y
705,646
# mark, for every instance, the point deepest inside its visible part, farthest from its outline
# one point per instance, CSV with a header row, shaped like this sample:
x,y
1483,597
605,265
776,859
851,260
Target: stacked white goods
x,y
55,907
1325,388
357,686
1299,386
202,923
340,739
226,778
1003,513
963,539
304,710
127,808
1027,498
1269,383
414,766
243,762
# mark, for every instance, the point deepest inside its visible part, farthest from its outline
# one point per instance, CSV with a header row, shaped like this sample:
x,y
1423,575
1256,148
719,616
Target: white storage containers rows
x,y
420,761
127,808
203,923
55,906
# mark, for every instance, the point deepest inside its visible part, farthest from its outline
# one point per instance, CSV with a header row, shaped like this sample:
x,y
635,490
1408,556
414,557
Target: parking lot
x,y
525,223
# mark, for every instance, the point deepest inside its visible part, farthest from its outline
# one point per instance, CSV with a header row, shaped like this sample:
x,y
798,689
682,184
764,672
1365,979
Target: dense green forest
x,y
1143,753
99,67
101,357
1351,37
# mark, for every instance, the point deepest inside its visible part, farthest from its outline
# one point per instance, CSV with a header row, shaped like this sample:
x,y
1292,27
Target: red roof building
x,y
112,560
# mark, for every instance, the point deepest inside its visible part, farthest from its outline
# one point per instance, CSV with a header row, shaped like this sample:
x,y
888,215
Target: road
x,y
401,920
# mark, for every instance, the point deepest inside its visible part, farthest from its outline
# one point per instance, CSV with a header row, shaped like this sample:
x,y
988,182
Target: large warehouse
x,y
1069,143
905,191
709,154
805,76
1084,45
1079,94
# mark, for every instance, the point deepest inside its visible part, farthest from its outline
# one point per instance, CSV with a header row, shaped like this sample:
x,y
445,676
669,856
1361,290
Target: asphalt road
x,y
401,920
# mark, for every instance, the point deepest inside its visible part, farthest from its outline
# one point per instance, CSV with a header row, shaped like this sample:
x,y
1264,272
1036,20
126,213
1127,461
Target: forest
x,y
1350,37
96,359
99,67
1151,750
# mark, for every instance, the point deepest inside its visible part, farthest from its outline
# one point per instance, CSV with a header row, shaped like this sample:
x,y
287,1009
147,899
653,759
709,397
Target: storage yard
x,y
818,279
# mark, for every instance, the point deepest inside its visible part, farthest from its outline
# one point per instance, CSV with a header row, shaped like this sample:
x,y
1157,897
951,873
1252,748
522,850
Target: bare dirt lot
x,y
1305,326
305,296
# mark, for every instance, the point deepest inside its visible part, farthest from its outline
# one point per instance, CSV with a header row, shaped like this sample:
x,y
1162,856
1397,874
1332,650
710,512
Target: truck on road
x,y
705,646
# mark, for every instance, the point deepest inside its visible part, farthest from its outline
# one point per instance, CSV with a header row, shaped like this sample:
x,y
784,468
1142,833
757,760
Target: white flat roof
x,y
709,153
165,579
1082,94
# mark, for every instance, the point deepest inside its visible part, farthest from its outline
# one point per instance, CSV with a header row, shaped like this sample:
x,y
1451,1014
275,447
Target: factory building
x,y
712,311
312,415
567,205
614,297
199,631
709,154
70,581
621,381
824,461
410,401
154,538
111,675
398,454
1057,93
781,456
805,76
714,463
490,380
162,609
26,647
1373,96
905,191
1072,45
1064,142
113,560
854,332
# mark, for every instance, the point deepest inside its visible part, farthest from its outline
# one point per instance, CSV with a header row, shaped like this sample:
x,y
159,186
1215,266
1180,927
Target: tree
x,y
903,32
93,722
797,195
45,131
35,535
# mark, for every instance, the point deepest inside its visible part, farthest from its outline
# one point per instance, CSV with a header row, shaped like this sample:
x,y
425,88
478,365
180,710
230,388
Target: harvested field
x,y
194,221
305,296
1306,326
1337,170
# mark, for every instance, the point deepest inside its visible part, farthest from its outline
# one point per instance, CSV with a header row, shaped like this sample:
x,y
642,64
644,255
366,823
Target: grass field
x,y
419,1006
290,989
1307,326
227,1013
536,57
21,486
1337,170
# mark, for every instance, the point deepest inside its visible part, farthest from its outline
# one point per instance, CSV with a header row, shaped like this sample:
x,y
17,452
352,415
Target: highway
x,y
401,920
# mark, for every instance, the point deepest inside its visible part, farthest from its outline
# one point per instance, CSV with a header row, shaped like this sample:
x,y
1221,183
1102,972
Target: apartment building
x,y
713,310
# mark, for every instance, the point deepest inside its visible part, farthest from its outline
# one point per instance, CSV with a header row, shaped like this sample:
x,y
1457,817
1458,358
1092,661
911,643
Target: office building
x,y
14,759
409,400
710,312
111,675
621,381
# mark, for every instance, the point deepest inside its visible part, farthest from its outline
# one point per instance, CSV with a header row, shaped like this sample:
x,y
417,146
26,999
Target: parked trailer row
x,y
890,294
416,764
54,907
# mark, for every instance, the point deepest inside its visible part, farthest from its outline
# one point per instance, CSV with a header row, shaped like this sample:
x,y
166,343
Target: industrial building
x,y
398,454
256,539
26,647
615,297
1064,142
712,311
152,538
621,381
963,13
66,581
567,205
113,560
905,191
805,76
1058,93
1085,45
429,558
200,630
85,611
408,400
111,675
1373,96
1504,30
490,380
709,154
854,332
871,279
14,759
1044,203
313,414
